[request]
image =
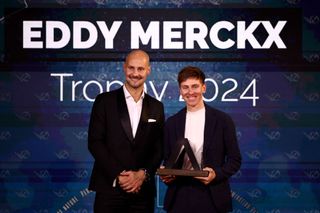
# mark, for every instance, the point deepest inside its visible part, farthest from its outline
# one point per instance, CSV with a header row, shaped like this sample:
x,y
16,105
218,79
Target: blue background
x,y
44,162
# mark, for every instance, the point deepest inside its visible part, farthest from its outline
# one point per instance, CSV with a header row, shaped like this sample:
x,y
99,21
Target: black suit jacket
x,y
112,145
220,152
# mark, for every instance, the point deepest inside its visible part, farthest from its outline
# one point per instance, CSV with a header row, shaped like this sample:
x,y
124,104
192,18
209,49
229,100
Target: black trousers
x,y
192,197
119,201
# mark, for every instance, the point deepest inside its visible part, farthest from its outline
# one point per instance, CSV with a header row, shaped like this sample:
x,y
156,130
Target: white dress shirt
x,y
194,132
134,109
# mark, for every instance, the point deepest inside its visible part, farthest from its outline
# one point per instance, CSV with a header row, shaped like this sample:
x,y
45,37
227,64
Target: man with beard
x,y
212,138
125,139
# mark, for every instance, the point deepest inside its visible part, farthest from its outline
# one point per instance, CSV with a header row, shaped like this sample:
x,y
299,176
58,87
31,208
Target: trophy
x,y
175,161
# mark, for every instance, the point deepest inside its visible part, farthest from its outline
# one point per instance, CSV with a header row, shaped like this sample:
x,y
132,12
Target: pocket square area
x,y
150,120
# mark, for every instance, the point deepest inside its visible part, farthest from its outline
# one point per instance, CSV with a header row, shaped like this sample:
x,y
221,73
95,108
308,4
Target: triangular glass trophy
x,y
174,164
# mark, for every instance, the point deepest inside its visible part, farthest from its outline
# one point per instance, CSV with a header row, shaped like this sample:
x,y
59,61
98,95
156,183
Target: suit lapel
x,y
181,124
124,114
209,126
144,116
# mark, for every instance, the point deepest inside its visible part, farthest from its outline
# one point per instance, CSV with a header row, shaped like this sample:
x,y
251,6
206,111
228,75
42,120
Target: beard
x,y
135,81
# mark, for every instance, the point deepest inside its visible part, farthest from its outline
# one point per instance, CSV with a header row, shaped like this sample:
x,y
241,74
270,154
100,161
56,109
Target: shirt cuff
x,y
114,184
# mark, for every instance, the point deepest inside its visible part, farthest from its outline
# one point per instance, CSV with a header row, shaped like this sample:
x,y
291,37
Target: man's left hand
x,y
209,178
131,181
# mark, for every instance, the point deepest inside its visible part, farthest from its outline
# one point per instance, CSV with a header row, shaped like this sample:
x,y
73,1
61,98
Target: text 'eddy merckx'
x,y
159,35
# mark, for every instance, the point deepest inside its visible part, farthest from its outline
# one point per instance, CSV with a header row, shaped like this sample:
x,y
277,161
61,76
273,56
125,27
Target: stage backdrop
x,y
261,60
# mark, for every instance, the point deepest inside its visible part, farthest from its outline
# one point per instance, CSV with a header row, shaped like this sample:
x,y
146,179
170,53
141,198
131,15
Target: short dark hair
x,y
191,72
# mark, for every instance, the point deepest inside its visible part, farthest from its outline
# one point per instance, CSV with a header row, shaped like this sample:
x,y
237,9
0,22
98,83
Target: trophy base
x,y
183,172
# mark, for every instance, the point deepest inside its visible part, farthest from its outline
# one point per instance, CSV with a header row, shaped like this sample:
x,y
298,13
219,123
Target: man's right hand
x,y
131,181
167,178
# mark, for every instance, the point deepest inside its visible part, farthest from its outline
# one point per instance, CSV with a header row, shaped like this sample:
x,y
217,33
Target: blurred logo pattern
x,y
45,163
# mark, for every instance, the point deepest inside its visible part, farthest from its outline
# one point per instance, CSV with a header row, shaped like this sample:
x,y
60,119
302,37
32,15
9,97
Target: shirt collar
x,y
128,95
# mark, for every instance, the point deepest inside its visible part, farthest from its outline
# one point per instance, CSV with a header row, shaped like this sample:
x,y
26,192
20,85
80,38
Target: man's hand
x,y
167,178
209,178
131,181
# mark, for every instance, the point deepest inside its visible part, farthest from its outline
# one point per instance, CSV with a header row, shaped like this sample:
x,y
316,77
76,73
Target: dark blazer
x,y
220,152
112,145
